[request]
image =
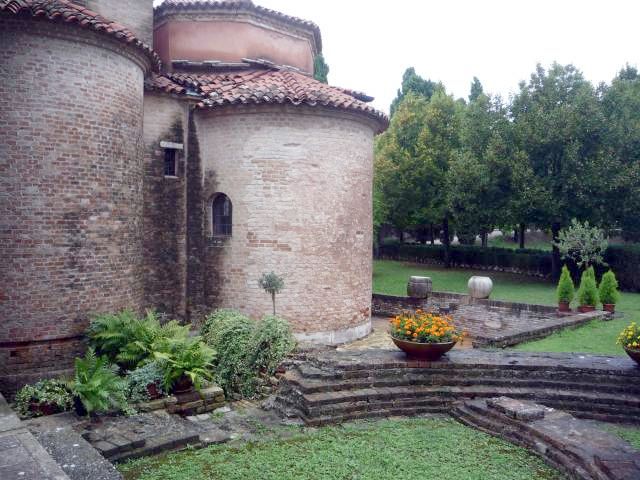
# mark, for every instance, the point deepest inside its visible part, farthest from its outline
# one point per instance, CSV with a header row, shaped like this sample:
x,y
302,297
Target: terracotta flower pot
x,y
609,307
423,351
183,385
152,391
44,408
634,354
586,308
563,307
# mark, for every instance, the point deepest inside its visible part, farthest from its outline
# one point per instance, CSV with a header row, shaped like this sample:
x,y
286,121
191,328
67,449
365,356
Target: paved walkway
x,y
21,456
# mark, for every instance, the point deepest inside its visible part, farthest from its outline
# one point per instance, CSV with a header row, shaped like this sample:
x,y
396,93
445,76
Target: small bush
x,y
138,379
230,333
185,357
566,289
245,347
52,392
272,341
609,288
97,384
588,292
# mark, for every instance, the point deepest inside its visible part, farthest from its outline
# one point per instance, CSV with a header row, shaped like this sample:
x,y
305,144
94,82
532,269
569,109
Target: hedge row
x,y
624,260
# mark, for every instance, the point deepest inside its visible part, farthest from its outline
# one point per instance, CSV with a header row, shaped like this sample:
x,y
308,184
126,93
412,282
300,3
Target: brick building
x,y
166,159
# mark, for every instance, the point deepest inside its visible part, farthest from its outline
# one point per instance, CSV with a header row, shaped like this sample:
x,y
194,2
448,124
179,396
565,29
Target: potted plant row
x,y
423,335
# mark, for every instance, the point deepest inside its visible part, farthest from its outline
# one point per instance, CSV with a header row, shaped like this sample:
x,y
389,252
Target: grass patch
x,y
383,450
628,433
596,337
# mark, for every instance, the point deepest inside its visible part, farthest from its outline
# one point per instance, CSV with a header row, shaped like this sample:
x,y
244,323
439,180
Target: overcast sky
x,y
369,43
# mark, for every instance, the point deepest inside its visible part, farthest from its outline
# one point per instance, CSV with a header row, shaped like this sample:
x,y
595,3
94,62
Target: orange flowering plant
x,y
424,327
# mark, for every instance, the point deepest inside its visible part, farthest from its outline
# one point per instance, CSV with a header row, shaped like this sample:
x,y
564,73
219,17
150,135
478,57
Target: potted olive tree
x,y
271,283
588,291
608,292
565,290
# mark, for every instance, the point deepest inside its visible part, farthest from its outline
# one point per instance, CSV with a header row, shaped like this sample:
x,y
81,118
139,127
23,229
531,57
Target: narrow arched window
x,y
222,211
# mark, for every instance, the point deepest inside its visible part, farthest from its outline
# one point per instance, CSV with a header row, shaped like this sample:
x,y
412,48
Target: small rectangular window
x,y
170,167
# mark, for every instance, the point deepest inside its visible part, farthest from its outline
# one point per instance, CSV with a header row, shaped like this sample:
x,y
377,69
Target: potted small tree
x,y
565,290
608,292
588,291
272,283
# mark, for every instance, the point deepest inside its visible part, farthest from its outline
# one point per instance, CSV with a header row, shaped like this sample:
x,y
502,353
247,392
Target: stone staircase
x,y
332,387
573,446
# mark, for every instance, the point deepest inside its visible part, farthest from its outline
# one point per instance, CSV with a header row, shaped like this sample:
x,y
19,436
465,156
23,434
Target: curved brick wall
x,y
300,182
70,190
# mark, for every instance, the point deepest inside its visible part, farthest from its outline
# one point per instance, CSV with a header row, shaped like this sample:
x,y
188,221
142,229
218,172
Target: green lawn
x,y
412,449
597,337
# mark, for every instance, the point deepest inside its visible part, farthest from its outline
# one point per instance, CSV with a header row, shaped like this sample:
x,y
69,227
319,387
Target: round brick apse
x,y
299,180
70,190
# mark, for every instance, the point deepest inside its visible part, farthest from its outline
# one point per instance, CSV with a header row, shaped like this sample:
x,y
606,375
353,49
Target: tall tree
x,y
476,90
412,83
558,121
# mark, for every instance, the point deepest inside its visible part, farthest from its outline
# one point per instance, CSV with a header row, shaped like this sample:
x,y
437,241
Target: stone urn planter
x,y
423,351
634,354
480,287
419,287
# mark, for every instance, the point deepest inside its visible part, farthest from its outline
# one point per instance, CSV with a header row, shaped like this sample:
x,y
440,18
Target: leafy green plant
x,y
582,243
608,291
272,283
97,384
588,292
129,340
566,289
140,378
271,342
189,357
51,392
230,334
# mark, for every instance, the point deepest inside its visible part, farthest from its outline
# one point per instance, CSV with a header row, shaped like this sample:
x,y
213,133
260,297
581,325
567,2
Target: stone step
x,y
156,445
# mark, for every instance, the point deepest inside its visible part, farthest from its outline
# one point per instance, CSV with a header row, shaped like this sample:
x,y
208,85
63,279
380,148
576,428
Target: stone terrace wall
x,y
300,182
70,190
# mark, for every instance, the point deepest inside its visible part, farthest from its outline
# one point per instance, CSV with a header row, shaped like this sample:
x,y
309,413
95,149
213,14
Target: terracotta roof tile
x,y
69,12
265,86
169,6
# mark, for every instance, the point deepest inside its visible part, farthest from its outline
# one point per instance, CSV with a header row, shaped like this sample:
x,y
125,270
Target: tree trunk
x,y
484,239
522,229
447,242
515,234
555,258
431,237
401,236
273,300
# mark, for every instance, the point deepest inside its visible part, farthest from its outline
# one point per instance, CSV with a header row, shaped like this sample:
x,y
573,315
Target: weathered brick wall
x,y
300,181
136,15
70,190
164,207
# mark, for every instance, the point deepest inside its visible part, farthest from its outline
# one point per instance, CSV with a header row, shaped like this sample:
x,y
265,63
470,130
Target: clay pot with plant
x,y
629,339
608,292
423,335
588,291
565,291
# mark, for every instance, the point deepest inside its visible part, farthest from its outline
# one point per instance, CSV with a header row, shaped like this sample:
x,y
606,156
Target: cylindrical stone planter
x,y
419,287
480,287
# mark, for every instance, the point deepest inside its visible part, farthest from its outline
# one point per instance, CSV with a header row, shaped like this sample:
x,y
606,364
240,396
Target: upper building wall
x,y
215,31
136,15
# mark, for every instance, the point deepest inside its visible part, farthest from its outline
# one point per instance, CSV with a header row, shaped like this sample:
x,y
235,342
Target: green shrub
x,y
588,292
272,341
138,379
97,384
245,347
608,291
566,289
52,392
129,341
189,357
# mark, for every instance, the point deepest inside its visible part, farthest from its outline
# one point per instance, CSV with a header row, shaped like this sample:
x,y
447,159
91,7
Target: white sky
x,y
369,43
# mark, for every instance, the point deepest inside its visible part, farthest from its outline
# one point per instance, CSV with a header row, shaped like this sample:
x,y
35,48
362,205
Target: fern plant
x,y
128,340
97,384
188,357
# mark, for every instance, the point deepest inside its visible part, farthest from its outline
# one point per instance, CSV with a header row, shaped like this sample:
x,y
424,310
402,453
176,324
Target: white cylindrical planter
x,y
480,287
419,287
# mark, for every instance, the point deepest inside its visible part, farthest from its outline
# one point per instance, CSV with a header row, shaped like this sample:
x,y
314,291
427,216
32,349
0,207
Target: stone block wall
x,y
70,190
300,183
164,206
